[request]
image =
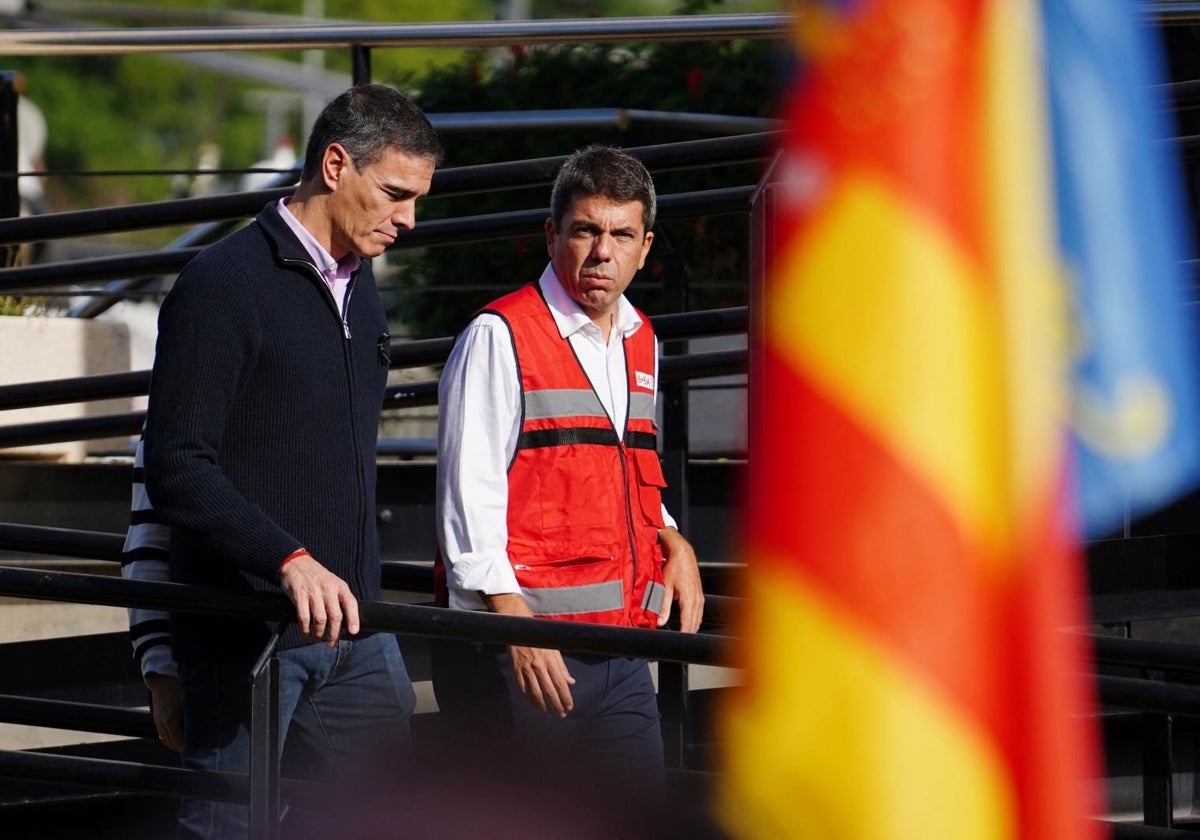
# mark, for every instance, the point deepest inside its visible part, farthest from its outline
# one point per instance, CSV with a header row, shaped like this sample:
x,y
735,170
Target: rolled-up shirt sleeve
x,y
478,422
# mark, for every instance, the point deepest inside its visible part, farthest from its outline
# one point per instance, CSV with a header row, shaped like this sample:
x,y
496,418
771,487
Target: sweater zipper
x,y
347,360
362,479
343,315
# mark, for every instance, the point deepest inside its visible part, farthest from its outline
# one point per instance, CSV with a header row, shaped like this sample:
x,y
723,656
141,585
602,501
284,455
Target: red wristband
x,y
297,553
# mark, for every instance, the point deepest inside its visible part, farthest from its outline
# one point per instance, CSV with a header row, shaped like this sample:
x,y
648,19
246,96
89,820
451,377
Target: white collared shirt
x,y
479,409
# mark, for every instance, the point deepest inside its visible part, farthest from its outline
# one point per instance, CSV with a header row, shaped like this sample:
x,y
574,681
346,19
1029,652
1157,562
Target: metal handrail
x,y
398,575
492,33
1150,695
403,395
1146,653
404,354
78,717
463,180
108,774
700,648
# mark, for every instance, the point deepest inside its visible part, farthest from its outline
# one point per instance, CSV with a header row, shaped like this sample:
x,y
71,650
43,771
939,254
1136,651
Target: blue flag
x,y
1122,230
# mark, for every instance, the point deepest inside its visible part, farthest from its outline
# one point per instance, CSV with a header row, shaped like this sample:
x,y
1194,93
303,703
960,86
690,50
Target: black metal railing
x,y
262,788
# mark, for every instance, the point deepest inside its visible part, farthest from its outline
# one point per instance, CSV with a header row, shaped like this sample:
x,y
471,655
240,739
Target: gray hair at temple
x,y
603,171
366,120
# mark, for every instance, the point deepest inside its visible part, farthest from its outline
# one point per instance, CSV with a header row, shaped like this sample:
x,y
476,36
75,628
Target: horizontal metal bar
x,y
74,428
394,618
108,774
153,214
1170,12
660,157
76,717
1149,695
701,365
462,180
39,276
1172,656
65,542
104,774
495,33
1137,831
434,232
101,386
398,575
401,395
591,118
404,353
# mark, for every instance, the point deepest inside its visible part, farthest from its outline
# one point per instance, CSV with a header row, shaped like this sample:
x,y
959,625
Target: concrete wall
x,y
35,349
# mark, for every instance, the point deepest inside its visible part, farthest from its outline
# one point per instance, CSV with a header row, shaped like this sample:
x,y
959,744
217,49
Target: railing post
x,y
264,745
11,83
1158,795
673,676
360,64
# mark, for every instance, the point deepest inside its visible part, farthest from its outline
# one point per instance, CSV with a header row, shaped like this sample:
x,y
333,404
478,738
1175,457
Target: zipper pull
x,y
346,329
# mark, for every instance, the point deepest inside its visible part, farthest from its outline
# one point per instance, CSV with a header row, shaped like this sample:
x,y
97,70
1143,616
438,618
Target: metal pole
x,y
673,676
11,83
264,744
1158,795
360,63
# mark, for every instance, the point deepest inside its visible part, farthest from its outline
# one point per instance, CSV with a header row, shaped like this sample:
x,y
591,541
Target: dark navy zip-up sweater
x,y
261,432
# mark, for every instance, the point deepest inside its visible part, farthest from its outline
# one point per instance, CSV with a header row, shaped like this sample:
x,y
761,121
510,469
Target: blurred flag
x,y
911,528
1121,222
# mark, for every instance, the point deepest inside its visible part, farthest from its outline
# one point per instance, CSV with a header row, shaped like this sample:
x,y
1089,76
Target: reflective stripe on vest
x,y
576,600
573,402
653,599
641,406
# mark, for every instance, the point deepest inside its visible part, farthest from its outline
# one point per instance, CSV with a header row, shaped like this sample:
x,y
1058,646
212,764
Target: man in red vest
x,y
548,499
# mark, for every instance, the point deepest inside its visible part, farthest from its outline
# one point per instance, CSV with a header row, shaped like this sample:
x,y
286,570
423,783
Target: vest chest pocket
x,y
576,490
650,484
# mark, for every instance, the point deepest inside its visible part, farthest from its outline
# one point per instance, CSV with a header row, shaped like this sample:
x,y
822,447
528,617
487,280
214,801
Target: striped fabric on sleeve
x,y
144,557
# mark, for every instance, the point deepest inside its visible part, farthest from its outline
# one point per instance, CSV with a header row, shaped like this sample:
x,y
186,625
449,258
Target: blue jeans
x,y
613,733
337,707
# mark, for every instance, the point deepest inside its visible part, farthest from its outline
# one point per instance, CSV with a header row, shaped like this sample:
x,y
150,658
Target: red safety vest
x,y
585,503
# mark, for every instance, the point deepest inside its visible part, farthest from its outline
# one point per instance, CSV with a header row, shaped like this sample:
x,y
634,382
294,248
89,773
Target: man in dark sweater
x,y
260,440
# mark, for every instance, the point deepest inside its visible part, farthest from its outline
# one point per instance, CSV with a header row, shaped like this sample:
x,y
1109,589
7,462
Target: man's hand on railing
x,y
324,604
166,705
681,576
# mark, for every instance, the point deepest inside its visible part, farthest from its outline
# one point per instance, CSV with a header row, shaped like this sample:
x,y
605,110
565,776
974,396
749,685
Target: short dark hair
x,y
366,120
603,171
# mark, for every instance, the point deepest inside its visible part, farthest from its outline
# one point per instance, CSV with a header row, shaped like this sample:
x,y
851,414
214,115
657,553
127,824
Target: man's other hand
x,y
166,705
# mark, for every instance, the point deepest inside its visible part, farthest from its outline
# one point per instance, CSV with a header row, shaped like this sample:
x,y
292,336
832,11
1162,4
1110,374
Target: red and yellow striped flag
x,y
908,529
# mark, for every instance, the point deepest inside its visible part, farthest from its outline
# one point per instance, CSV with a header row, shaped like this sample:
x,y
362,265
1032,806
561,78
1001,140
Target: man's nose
x,y
602,246
405,215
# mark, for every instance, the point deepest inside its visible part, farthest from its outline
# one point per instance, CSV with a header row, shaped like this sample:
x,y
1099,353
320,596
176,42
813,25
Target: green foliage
x,y
440,287
152,112
20,305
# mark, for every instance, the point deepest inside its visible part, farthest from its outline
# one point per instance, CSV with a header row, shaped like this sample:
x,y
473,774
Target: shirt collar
x,y
569,315
321,258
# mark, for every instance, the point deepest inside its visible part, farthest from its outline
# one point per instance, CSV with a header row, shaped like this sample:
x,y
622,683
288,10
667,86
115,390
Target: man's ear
x,y
550,236
646,243
334,163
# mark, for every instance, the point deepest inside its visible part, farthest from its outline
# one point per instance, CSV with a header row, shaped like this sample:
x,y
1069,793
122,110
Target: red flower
x,y
694,79
522,246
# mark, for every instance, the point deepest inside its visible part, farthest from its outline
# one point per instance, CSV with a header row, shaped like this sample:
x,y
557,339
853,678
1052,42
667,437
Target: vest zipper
x,y
629,527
